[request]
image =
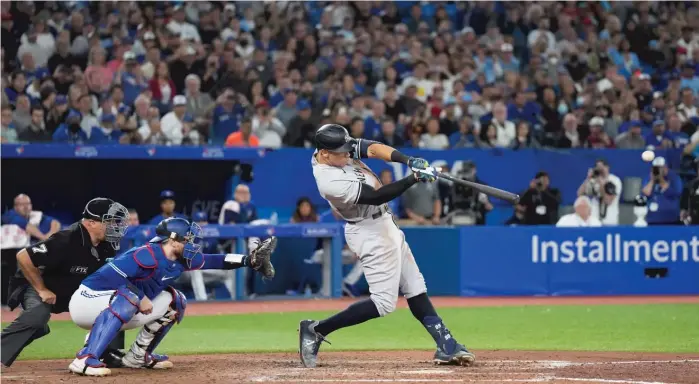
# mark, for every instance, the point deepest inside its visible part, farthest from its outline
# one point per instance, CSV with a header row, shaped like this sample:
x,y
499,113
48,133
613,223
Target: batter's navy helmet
x,y
334,138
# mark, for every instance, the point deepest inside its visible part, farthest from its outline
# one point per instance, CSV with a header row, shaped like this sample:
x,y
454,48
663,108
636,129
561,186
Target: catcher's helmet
x,y
334,138
181,230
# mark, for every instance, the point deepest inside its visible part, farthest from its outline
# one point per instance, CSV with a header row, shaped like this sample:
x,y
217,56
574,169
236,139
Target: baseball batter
x,y
358,196
134,291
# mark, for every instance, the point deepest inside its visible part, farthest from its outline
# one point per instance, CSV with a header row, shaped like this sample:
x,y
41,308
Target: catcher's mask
x,y
113,215
181,230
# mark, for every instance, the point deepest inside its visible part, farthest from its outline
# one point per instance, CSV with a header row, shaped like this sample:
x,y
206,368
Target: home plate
x,y
427,372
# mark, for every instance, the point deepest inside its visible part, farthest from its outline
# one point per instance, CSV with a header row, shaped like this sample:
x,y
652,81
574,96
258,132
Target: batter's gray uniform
x,y
371,233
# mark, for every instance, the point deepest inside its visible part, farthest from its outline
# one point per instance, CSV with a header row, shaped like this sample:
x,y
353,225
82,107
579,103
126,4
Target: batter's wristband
x,y
398,157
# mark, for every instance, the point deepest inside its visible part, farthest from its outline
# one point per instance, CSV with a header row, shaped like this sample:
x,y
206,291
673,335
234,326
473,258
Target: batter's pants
x,y
31,324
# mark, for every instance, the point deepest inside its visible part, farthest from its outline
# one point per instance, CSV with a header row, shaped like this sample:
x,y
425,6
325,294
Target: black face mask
x,y
74,128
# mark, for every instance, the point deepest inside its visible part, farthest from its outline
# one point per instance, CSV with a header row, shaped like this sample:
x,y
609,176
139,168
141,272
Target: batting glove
x,y
427,175
418,163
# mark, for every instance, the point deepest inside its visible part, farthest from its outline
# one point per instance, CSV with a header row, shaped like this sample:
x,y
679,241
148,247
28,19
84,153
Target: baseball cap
x,y
97,208
659,162
167,195
61,99
188,118
108,118
467,97
658,122
179,100
506,47
303,104
596,121
149,36
200,216
644,76
128,55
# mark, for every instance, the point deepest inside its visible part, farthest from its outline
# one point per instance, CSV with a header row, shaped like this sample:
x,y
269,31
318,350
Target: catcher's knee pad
x,y
178,304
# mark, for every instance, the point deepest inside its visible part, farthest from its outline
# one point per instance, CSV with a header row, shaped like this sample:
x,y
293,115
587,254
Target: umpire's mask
x,y
113,215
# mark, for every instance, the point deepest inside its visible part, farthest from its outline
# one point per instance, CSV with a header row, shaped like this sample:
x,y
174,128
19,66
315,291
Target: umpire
x,y
51,270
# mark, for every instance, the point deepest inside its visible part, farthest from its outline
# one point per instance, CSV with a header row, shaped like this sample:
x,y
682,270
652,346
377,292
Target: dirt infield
x,y
379,367
394,366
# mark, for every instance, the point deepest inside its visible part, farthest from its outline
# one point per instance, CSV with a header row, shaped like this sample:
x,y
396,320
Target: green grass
x,y
649,328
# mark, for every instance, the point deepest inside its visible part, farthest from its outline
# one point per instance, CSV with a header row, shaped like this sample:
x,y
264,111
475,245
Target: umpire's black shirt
x,y
65,259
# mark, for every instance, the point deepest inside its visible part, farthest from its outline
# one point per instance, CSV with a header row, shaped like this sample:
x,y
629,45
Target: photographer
x,y
689,202
662,188
540,202
468,207
603,189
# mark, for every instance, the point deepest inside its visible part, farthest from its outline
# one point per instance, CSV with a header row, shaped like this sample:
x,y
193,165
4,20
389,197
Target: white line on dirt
x,y
563,363
404,380
609,381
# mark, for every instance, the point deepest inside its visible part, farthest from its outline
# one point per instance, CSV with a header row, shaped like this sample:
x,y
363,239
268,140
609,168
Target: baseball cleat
x,y
149,361
260,257
461,356
309,343
89,366
112,358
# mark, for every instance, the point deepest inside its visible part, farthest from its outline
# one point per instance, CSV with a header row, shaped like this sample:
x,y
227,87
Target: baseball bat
x,y
490,191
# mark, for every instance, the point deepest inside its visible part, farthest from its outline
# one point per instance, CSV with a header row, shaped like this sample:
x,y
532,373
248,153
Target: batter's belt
x,y
382,210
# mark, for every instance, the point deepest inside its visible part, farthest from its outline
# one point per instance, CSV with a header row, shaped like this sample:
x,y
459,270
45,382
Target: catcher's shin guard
x,y
141,353
121,310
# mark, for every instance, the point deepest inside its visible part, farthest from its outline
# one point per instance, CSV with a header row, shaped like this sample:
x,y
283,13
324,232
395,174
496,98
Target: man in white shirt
x,y
505,129
424,85
582,216
179,26
603,189
171,125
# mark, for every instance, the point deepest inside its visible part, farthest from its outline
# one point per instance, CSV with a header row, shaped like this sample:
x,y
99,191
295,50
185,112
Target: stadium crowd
x,y
423,74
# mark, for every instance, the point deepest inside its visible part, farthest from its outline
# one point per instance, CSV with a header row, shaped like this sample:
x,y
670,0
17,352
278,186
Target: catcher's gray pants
x,y
387,261
31,324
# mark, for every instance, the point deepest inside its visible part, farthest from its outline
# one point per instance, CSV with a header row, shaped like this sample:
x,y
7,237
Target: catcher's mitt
x,y
260,258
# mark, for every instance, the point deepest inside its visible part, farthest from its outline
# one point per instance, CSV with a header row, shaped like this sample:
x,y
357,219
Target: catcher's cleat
x,y
309,343
149,361
88,366
259,259
112,358
460,356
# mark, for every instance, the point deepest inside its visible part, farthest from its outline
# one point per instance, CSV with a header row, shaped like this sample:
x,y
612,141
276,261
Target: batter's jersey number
x,y
40,249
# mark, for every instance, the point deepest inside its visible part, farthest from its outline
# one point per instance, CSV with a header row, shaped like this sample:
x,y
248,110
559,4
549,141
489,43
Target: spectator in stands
x,y
134,236
464,137
374,122
107,132
174,127
663,189
130,78
287,109
267,126
18,83
449,123
40,50
524,138
243,211
162,88
305,212
388,134
689,201
674,130
631,139
422,204
9,133
540,201
36,131
199,104
226,116
35,223
505,129
88,120
244,137
598,138
301,127
687,108
582,216
98,75
70,131
432,139
167,208
570,137
659,138
22,116
603,190
57,114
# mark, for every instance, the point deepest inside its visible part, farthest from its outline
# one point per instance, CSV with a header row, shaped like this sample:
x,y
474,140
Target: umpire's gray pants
x,y
31,324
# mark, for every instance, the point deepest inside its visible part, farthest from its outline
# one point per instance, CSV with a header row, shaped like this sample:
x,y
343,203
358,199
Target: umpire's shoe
x,y
309,343
259,259
112,358
460,356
